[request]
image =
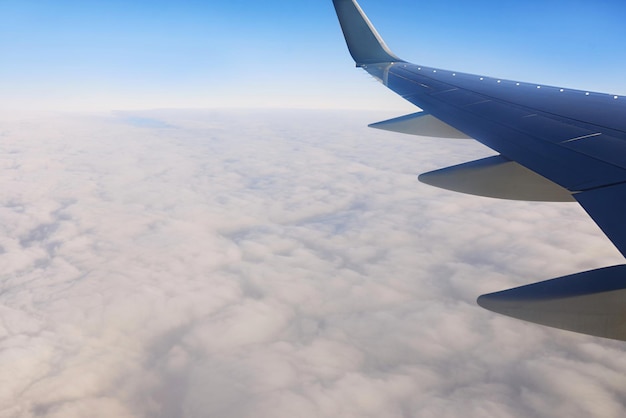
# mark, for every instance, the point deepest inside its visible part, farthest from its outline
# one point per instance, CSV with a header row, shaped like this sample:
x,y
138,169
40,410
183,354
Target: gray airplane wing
x,y
554,144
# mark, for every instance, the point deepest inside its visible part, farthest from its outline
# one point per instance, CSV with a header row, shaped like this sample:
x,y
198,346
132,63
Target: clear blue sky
x,y
88,54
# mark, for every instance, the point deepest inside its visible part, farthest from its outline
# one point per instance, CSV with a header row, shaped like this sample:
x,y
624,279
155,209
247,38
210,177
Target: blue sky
x,y
153,54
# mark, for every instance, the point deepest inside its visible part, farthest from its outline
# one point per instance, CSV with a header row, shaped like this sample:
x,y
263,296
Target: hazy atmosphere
x,y
260,252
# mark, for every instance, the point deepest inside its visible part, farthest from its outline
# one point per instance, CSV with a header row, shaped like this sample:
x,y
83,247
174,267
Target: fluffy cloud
x,y
233,264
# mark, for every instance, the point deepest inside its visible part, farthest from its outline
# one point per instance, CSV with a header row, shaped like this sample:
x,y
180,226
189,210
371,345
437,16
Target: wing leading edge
x,y
554,144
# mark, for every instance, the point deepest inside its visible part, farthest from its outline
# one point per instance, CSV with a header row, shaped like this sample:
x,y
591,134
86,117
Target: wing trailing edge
x,y
607,206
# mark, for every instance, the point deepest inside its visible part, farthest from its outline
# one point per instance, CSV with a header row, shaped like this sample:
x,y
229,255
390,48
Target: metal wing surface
x,y
554,144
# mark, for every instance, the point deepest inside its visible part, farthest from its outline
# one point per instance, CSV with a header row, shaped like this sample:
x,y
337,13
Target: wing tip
x,y
364,43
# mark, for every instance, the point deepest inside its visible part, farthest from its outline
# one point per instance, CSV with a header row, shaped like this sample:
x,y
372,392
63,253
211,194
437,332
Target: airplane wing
x,y
554,144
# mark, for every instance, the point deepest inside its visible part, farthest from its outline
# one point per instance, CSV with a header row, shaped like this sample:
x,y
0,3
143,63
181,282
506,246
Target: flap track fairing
x,y
422,124
497,177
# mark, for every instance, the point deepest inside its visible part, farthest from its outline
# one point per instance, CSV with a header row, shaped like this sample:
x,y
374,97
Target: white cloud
x,y
204,263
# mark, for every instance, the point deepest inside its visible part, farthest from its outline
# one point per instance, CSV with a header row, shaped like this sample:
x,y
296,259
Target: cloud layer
x,y
241,263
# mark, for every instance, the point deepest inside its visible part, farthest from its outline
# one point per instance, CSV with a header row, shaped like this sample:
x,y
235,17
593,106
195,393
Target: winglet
x,y
365,44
